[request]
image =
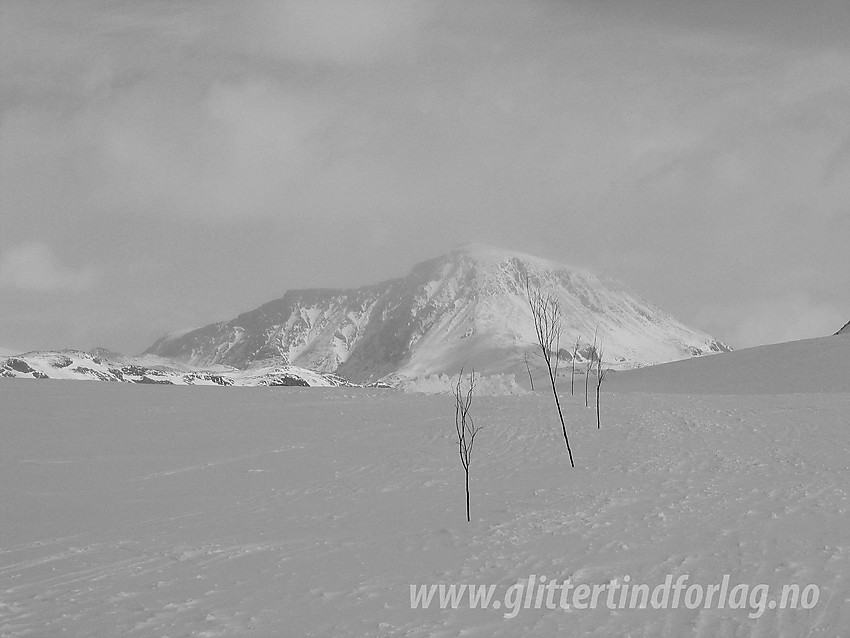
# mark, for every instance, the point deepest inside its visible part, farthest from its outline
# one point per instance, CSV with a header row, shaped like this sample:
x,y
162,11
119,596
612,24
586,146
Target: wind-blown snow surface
x,y
146,510
467,308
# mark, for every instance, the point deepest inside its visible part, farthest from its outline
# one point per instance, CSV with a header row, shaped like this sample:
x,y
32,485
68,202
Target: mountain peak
x,y
467,308
845,330
477,249
486,253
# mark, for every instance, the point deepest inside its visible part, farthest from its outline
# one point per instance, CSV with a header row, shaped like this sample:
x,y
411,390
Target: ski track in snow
x,y
304,512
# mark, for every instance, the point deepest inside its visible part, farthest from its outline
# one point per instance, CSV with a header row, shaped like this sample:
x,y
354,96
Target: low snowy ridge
x,y
101,365
467,308
820,365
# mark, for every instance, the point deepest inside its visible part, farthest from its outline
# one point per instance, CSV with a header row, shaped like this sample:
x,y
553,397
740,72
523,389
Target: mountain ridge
x,y
104,365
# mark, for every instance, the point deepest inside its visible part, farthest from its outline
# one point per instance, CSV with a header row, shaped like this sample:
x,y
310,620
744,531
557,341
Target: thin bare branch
x,y
546,315
589,367
465,427
600,377
573,373
528,369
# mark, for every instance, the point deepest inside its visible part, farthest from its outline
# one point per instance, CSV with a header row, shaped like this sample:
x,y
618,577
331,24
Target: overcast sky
x,y
167,164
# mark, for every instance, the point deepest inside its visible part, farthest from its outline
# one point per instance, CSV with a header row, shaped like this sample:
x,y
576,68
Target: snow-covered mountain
x,y
467,308
101,365
845,330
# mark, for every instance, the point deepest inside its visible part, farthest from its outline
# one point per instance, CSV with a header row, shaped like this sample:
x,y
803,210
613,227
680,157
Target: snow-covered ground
x,y
142,510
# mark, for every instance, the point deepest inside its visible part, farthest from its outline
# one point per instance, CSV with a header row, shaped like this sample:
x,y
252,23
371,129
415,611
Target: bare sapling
x,y
465,427
573,373
600,377
528,369
546,314
588,368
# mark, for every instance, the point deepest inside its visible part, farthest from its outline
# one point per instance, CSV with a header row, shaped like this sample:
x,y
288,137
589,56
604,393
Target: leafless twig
x,y
465,426
546,313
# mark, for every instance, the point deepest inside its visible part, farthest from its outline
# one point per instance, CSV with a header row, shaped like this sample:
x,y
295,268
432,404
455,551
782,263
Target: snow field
x,y
193,511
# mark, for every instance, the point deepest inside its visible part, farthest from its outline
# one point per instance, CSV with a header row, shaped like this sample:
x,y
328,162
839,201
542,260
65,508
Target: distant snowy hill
x,y
845,330
101,365
467,308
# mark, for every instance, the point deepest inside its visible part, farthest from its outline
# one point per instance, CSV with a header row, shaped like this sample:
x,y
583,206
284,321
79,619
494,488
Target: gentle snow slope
x,y
810,365
142,510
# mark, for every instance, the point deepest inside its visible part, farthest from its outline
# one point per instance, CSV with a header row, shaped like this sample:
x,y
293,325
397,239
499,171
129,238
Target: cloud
x,y
671,148
336,32
34,267
290,108
235,149
240,151
233,112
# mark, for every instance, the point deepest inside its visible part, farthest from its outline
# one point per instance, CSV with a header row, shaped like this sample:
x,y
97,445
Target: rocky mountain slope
x,y
466,308
845,330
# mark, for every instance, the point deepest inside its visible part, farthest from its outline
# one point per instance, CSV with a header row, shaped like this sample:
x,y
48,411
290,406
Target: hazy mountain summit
x,y
465,308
